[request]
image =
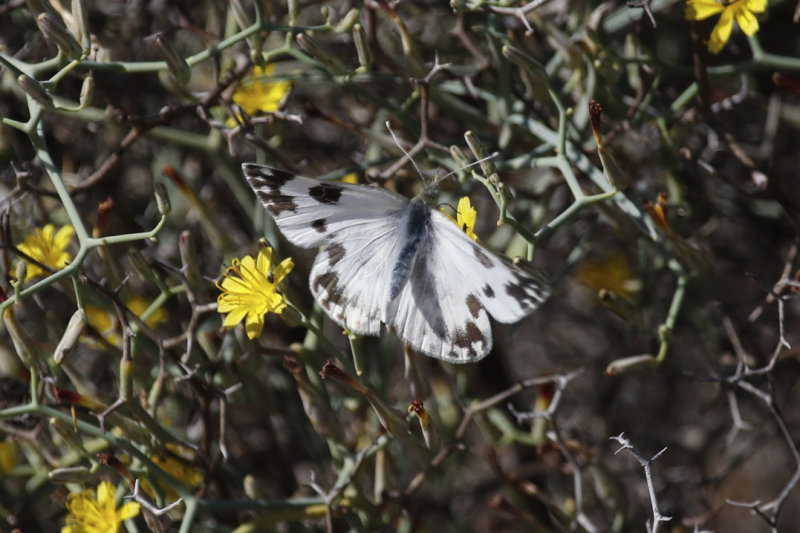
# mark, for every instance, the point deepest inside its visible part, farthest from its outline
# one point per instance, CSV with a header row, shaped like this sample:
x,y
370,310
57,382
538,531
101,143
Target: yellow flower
x,y
249,291
9,456
612,273
178,469
741,10
255,95
105,322
466,215
49,247
90,513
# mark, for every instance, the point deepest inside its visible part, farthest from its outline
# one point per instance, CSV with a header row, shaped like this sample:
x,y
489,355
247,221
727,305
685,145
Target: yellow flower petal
x,y
255,95
9,456
756,6
739,10
105,493
249,291
106,322
47,232
747,22
129,510
281,270
264,260
611,273
235,316
96,512
48,247
247,262
721,32
253,325
466,215
64,236
702,9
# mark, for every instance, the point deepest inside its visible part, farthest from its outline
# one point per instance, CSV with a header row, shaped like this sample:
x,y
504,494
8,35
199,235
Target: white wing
x,y
454,284
361,231
351,277
443,310
309,212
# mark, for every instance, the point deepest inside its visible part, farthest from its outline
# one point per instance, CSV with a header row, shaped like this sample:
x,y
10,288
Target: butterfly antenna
x,y
478,162
399,145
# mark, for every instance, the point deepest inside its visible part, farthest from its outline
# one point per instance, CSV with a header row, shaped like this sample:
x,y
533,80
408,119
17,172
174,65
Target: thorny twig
x,y
345,478
148,504
645,463
645,5
520,12
142,124
561,382
424,139
469,414
771,510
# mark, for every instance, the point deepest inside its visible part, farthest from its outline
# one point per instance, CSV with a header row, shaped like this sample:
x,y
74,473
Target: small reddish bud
x,y
331,370
658,212
104,209
786,83
74,398
595,112
174,176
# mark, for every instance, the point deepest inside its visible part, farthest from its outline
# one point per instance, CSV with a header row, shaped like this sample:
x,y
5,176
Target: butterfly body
x,y
416,225
389,260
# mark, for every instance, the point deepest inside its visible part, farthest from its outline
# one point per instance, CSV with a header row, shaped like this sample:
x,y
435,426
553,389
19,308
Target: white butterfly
x,y
388,260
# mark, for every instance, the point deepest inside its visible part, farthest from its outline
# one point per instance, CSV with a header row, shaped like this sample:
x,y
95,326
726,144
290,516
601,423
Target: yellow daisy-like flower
x,y
189,476
255,95
740,10
611,273
466,215
97,513
249,291
106,323
9,456
49,247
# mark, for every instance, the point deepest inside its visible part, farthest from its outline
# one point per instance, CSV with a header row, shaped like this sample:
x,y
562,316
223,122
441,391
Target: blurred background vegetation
x,y
666,213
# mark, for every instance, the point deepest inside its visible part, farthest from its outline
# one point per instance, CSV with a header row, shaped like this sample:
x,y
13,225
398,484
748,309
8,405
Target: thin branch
x,y
646,464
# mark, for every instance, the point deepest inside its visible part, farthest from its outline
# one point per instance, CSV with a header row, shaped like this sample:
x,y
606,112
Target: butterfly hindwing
x,y
456,284
351,277
507,293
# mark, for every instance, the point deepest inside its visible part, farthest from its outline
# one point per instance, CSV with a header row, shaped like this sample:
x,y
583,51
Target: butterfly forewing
x,y
389,261
309,212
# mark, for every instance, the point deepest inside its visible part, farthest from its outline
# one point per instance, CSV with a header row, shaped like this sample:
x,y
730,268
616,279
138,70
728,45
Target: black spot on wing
x,y
336,253
261,176
326,287
467,341
321,225
325,193
482,257
275,202
266,183
528,291
474,305
488,291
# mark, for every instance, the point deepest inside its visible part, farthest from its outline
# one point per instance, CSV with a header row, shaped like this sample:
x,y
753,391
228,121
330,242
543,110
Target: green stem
x,y
666,329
